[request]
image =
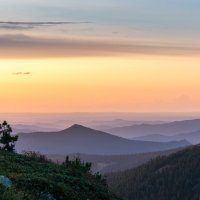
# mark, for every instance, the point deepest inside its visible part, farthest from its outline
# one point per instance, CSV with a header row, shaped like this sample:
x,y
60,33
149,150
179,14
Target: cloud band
x,y
22,46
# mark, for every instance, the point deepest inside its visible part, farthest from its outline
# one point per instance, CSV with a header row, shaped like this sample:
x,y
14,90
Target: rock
x,y
5,181
45,196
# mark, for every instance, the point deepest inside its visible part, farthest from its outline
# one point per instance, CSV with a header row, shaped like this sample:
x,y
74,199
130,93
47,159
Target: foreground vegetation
x,y
176,177
35,178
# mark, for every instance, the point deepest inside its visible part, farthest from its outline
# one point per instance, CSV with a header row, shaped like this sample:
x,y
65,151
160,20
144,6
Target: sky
x,y
99,56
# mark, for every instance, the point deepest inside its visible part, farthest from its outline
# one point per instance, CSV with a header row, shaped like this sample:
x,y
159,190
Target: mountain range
x,y
27,128
106,125
193,137
168,129
80,139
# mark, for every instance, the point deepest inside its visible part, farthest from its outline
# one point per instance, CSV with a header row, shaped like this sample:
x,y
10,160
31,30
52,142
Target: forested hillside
x,y
176,177
32,177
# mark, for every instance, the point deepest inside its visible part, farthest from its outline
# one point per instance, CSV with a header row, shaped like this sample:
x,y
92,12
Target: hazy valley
x,y
116,157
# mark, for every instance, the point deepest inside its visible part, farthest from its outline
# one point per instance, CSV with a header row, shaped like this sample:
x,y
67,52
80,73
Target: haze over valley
x,y
99,100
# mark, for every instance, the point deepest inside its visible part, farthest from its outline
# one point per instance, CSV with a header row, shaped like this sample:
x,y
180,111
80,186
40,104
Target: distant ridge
x,y
192,137
168,129
80,139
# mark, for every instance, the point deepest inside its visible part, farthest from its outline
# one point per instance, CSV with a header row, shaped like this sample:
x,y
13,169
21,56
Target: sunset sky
x,y
100,56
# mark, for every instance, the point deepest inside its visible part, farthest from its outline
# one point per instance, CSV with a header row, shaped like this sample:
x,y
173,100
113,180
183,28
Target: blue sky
x,y
172,14
163,22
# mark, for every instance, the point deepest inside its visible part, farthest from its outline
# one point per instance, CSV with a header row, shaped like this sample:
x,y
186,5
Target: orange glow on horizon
x,y
146,83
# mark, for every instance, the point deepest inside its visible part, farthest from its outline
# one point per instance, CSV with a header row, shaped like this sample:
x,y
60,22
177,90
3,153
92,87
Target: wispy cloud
x,y
12,25
21,73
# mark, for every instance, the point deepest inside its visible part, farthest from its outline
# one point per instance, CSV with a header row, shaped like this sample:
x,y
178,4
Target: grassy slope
x,y
176,177
32,177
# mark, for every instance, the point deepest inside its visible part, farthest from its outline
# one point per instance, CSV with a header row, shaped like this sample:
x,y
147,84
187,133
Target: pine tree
x,y
7,141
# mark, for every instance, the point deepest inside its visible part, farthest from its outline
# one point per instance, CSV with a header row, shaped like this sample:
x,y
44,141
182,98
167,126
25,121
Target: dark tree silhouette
x,y
7,141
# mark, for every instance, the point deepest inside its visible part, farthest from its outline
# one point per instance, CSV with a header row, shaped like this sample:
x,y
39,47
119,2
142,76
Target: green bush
x,y
35,178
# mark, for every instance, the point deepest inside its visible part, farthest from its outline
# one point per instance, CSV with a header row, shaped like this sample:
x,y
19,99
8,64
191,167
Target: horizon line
x,y
76,112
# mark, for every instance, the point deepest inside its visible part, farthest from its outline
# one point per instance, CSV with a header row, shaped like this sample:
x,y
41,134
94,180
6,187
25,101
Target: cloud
x,y
21,73
11,25
23,46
